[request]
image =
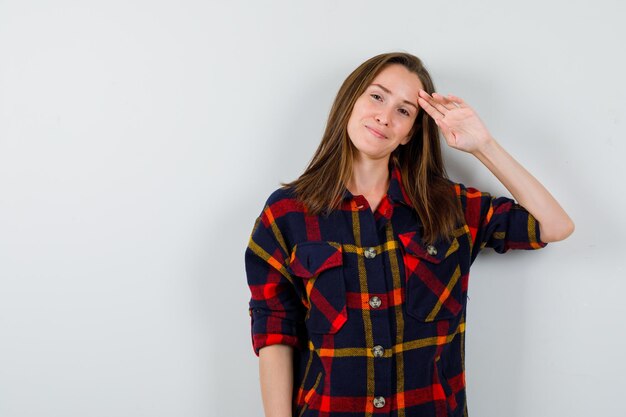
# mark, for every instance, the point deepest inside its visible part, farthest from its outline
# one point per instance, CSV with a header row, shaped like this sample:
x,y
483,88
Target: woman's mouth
x,y
376,133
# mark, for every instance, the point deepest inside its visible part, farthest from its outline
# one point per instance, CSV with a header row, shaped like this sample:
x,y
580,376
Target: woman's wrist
x,y
486,149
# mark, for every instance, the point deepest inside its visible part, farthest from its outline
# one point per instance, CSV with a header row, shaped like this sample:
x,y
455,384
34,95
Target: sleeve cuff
x,y
261,340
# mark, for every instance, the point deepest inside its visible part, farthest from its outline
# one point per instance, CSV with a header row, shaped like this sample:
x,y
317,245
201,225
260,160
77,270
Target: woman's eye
x,y
375,96
405,112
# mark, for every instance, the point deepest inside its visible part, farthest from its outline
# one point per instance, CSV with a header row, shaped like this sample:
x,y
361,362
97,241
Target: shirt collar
x,y
396,191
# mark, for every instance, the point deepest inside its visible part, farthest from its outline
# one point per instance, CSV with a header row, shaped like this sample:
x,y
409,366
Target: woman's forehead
x,y
398,80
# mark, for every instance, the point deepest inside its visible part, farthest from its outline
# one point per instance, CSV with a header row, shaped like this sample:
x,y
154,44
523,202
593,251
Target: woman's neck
x,y
369,177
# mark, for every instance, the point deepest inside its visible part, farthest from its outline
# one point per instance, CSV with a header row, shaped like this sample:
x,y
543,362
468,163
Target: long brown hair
x,y
424,179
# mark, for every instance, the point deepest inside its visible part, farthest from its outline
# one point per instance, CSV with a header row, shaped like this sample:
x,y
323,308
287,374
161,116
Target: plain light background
x,y
140,139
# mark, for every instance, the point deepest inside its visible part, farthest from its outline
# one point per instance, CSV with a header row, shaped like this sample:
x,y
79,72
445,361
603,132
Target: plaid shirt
x,y
376,317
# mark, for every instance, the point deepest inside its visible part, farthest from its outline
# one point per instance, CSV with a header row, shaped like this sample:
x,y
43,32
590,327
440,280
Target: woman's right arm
x,y
276,375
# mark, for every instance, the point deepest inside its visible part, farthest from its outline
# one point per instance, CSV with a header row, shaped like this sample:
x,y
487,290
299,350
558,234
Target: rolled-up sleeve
x,y
498,222
275,309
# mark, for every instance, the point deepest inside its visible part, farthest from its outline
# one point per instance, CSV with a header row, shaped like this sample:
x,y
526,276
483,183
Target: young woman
x,y
359,269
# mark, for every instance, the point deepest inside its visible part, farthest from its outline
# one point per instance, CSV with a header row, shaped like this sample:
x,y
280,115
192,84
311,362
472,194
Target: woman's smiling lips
x,y
376,132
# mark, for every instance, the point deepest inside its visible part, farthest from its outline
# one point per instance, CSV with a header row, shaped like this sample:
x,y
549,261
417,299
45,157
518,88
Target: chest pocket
x,y
433,278
319,265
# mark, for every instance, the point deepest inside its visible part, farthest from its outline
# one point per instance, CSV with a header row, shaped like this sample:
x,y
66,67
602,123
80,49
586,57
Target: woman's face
x,y
384,114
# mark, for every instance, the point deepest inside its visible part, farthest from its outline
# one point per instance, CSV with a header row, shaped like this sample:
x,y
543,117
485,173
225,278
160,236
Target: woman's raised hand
x,y
459,123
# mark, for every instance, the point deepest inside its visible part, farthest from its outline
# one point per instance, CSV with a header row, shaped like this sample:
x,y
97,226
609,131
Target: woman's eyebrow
x,y
386,90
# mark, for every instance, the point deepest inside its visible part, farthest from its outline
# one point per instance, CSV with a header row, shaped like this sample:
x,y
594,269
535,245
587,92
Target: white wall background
x,y
139,140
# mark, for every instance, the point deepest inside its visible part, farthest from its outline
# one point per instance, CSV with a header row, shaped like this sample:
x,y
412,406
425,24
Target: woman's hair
x,y
320,188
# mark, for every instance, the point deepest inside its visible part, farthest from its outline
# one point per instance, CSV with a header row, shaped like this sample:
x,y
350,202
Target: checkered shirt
x,y
375,316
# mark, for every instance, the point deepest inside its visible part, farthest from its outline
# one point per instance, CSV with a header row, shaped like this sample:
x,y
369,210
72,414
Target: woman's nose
x,y
383,116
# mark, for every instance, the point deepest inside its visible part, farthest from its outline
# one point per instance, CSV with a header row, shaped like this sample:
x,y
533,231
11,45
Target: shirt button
x,y
379,402
375,302
432,251
378,351
370,253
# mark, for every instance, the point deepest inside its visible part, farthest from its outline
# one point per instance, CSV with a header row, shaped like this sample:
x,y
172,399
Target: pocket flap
x,y
434,253
310,258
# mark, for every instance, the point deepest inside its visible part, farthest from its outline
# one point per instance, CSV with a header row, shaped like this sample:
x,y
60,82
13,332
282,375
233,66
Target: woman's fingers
x,y
434,109
458,102
438,106
439,102
430,109
436,101
445,102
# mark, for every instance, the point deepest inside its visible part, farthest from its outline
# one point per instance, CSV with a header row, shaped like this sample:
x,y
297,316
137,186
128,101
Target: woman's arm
x,y
276,374
463,130
554,223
